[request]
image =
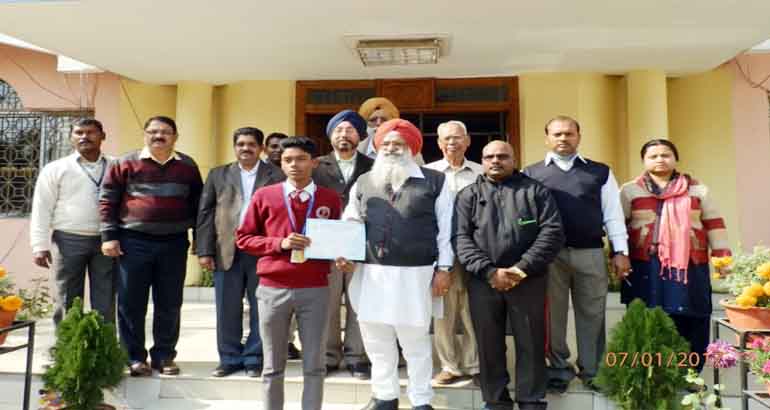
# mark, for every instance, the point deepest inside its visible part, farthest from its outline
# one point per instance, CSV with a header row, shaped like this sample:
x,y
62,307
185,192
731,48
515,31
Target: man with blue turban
x,y
339,171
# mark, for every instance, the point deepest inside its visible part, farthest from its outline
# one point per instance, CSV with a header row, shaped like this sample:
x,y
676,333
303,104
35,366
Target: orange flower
x,y
746,300
755,290
11,303
721,262
3,272
763,270
767,288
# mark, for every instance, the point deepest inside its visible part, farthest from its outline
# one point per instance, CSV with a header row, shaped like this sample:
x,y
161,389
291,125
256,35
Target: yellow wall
x,y
589,98
148,100
701,126
267,105
621,133
699,116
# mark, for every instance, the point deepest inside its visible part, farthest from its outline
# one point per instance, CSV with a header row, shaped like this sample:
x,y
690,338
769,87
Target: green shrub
x,y
87,359
630,381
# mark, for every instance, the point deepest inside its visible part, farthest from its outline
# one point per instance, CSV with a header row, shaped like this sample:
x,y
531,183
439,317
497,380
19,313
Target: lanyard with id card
x,y
97,183
298,255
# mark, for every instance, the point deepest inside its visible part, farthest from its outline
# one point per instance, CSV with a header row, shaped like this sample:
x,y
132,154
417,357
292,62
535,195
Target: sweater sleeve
x,y
550,238
714,224
196,187
110,197
251,237
43,205
471,256
206,232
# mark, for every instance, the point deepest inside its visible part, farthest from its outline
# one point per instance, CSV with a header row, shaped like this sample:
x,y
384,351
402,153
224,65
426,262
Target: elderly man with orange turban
x,y
376,111
407,211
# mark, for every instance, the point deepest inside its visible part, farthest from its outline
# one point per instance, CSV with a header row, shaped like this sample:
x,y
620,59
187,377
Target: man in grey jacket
x,y
506,230
223,205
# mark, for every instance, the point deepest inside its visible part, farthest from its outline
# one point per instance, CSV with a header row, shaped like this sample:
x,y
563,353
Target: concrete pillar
x,y
194,117
647,113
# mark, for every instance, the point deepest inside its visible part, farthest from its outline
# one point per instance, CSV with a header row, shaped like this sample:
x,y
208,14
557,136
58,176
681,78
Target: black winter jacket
x,y
499,225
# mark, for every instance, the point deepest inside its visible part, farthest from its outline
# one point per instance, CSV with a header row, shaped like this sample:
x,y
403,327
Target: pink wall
x,y
752,145
101,93
60,92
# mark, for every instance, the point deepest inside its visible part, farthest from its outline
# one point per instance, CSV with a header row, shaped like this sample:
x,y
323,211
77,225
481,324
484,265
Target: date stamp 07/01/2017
x,y
652,359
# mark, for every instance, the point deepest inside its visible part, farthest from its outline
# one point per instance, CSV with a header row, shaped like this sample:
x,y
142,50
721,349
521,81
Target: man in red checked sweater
x,y
289,284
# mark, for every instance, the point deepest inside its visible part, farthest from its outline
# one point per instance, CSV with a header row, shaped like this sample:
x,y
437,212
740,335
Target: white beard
x,y
391,170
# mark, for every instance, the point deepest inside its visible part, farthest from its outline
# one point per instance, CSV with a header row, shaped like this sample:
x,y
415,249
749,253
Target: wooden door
x,y
488,106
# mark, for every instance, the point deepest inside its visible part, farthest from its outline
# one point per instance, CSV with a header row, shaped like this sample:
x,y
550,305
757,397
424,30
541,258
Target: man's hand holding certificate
x,y
332,239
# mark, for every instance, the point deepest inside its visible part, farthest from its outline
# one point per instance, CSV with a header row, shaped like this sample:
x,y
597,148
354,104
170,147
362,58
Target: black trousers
x,y
159,265
696,330
73,255
524,306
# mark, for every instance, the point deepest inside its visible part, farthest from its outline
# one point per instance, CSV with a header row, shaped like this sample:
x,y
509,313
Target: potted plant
x,y
719,355
630,381
757,356
749,283
10,302
87,359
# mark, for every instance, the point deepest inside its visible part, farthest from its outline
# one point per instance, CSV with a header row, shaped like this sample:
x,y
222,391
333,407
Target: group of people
x,y
452,243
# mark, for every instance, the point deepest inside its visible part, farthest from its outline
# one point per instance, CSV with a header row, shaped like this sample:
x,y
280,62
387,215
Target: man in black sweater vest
x,y
588,198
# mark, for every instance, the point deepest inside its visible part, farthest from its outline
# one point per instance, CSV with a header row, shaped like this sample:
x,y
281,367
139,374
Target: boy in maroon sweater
x,y
289,285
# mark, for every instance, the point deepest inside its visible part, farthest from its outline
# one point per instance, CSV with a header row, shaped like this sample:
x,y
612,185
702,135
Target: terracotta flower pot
x,y
757,318
6,319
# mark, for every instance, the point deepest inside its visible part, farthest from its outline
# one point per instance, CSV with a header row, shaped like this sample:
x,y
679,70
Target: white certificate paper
x,y
331,238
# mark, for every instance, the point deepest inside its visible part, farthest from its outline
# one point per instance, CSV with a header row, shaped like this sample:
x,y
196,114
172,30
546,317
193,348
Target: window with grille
x,y
28,141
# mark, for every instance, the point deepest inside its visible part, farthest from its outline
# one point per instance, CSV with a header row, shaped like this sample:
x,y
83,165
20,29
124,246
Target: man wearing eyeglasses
x,y
376,111
149,199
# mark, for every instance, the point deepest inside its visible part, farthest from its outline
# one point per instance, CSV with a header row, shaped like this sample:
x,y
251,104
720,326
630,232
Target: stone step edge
x,y
36,379
197,294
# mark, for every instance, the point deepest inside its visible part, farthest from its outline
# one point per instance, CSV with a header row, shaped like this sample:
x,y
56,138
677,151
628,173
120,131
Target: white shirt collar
x,y
288,188
415,171
253,170
443,165
352,159
146,154
76,155
551,156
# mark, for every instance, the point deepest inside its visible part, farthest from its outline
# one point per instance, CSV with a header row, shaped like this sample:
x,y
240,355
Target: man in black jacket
x,y
339,171
506,230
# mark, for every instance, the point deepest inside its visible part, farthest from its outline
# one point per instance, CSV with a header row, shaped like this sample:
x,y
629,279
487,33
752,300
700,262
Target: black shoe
x,y
423,407
557,386
166,367
331,369
360,371
224,370
375,404
540,405
294,353
253,370
139,369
